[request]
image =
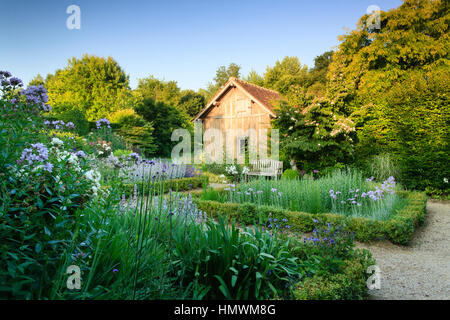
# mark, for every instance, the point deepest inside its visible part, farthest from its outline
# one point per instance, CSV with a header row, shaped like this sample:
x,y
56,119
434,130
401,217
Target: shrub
x,y
135,130
77,118
350,284
183,184
290,174
43,182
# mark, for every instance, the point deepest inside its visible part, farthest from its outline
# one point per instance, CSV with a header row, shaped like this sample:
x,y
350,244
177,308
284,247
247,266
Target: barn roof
x,y
262,96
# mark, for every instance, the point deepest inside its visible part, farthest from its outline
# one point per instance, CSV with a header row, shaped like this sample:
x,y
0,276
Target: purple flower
x,y
37,152
48,167
16,82
36,95
102,122
6,74
115,270
80,154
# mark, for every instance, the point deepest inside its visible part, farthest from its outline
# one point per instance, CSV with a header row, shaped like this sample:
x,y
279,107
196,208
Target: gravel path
x,y
421,270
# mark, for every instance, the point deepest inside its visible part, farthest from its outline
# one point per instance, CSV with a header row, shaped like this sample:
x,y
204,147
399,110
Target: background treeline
x,y
381,97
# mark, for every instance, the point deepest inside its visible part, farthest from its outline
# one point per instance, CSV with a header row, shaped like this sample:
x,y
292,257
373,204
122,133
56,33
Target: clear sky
x,y
179,40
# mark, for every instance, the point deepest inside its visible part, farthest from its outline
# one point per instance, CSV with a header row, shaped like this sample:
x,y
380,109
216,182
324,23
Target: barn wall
x,y
237,112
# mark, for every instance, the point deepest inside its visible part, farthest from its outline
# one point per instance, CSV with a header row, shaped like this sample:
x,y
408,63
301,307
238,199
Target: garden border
x,y
398,229
183,184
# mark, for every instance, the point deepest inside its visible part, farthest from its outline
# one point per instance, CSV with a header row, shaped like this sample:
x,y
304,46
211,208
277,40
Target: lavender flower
x,y
103,122
37,95
37,152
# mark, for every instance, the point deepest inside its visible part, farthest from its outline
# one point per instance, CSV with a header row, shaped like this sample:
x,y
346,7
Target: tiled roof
x,y
266,97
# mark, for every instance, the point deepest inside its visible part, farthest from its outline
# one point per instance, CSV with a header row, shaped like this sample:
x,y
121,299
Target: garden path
x,y
421,270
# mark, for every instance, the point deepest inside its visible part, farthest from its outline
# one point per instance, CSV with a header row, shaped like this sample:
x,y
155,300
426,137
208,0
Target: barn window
x,y
242,145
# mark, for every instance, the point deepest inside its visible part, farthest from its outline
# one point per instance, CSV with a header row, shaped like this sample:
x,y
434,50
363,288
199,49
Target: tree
x,y
165,91
393,81
37,80
93,85
135,130
318,74
255,78
222,75
314,135
191,102
286,74
166,119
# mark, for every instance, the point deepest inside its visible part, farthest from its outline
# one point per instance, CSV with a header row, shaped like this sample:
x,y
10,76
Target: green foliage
x,y
315,135
347,285
135,130
168,119
191,102
183,184
250,264
158,90
93,85
290,174
381,167
393,82
77,117
285,74
38,198
103,141
122,154
344,192
223,73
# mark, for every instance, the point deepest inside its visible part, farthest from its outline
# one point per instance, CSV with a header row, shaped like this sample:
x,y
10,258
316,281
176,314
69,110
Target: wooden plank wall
x,y
236,111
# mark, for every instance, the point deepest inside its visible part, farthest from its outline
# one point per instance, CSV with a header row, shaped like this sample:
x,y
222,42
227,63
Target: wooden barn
x,y
240,108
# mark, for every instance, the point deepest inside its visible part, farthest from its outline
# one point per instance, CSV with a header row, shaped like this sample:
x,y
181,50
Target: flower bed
x,y
398,229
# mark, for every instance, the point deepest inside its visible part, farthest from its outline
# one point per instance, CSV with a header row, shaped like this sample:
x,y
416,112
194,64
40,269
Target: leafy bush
x,y
135,130
290,174
183,184
43,182
350,284
77,118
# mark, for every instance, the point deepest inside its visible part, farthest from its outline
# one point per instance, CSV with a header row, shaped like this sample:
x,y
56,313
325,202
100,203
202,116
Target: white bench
x,y
266,168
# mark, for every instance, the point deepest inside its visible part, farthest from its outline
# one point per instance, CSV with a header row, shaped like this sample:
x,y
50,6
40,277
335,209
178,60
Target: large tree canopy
x,y
393,81
93,85
223,73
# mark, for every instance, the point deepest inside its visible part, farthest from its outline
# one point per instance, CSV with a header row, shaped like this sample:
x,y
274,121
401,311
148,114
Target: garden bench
x,y
266,168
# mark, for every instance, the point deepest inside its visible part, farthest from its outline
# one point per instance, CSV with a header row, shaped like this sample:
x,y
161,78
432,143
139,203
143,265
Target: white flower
x,y
57,142
245,170
445,180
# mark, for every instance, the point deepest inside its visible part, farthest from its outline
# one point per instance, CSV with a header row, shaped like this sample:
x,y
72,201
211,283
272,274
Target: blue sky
x,y
179,40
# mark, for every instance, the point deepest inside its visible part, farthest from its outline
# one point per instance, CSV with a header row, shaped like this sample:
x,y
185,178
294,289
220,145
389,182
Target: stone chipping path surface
x,y
421,270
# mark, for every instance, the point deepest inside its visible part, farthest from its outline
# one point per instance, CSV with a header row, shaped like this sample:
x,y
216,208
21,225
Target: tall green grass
x,y
314,196
161,247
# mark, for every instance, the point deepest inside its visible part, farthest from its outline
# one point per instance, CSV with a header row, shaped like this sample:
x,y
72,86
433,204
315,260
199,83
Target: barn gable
x,y
264,98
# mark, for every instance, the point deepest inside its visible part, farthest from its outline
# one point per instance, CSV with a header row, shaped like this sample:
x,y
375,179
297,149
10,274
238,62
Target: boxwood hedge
x,y
398,229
